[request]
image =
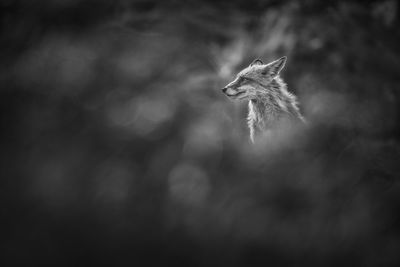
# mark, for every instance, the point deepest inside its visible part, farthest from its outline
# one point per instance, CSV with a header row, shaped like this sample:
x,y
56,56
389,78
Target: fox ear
x,y
276,66
256,61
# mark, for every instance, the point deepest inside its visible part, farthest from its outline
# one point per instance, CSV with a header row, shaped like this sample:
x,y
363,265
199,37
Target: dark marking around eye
x,y
244,79
265,71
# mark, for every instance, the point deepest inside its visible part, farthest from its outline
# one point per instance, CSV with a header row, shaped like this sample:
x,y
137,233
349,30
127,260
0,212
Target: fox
x,y
269,100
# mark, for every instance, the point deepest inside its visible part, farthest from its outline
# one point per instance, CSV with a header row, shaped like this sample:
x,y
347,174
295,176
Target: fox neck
x,y
269,104
270,100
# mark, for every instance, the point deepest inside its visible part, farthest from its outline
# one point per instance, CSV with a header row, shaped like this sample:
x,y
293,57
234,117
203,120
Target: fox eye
x,y
264,71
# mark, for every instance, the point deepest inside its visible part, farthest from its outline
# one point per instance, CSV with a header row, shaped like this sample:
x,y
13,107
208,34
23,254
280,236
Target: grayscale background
x,y
119,148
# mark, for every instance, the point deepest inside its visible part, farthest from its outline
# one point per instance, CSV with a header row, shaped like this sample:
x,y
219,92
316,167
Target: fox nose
x,y
224,89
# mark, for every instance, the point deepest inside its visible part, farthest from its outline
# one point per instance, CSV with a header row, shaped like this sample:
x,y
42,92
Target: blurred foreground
x,y
119,148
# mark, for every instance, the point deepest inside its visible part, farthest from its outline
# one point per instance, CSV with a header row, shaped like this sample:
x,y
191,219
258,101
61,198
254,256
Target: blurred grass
x,y
118,147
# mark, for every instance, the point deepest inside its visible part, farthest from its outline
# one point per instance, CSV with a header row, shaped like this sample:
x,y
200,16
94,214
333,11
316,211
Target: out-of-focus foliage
x,y
118,147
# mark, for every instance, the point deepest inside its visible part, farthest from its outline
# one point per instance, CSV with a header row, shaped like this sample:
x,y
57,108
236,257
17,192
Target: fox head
x,y
254,80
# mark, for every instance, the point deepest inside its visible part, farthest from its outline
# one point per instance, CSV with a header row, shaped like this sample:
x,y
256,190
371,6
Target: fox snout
x,y
231,89
228,87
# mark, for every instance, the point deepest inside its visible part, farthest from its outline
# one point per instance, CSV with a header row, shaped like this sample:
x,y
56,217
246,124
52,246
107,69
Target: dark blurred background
x,y
118,147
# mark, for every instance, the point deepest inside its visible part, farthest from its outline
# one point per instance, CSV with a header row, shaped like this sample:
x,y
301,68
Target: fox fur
x,y
269,99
